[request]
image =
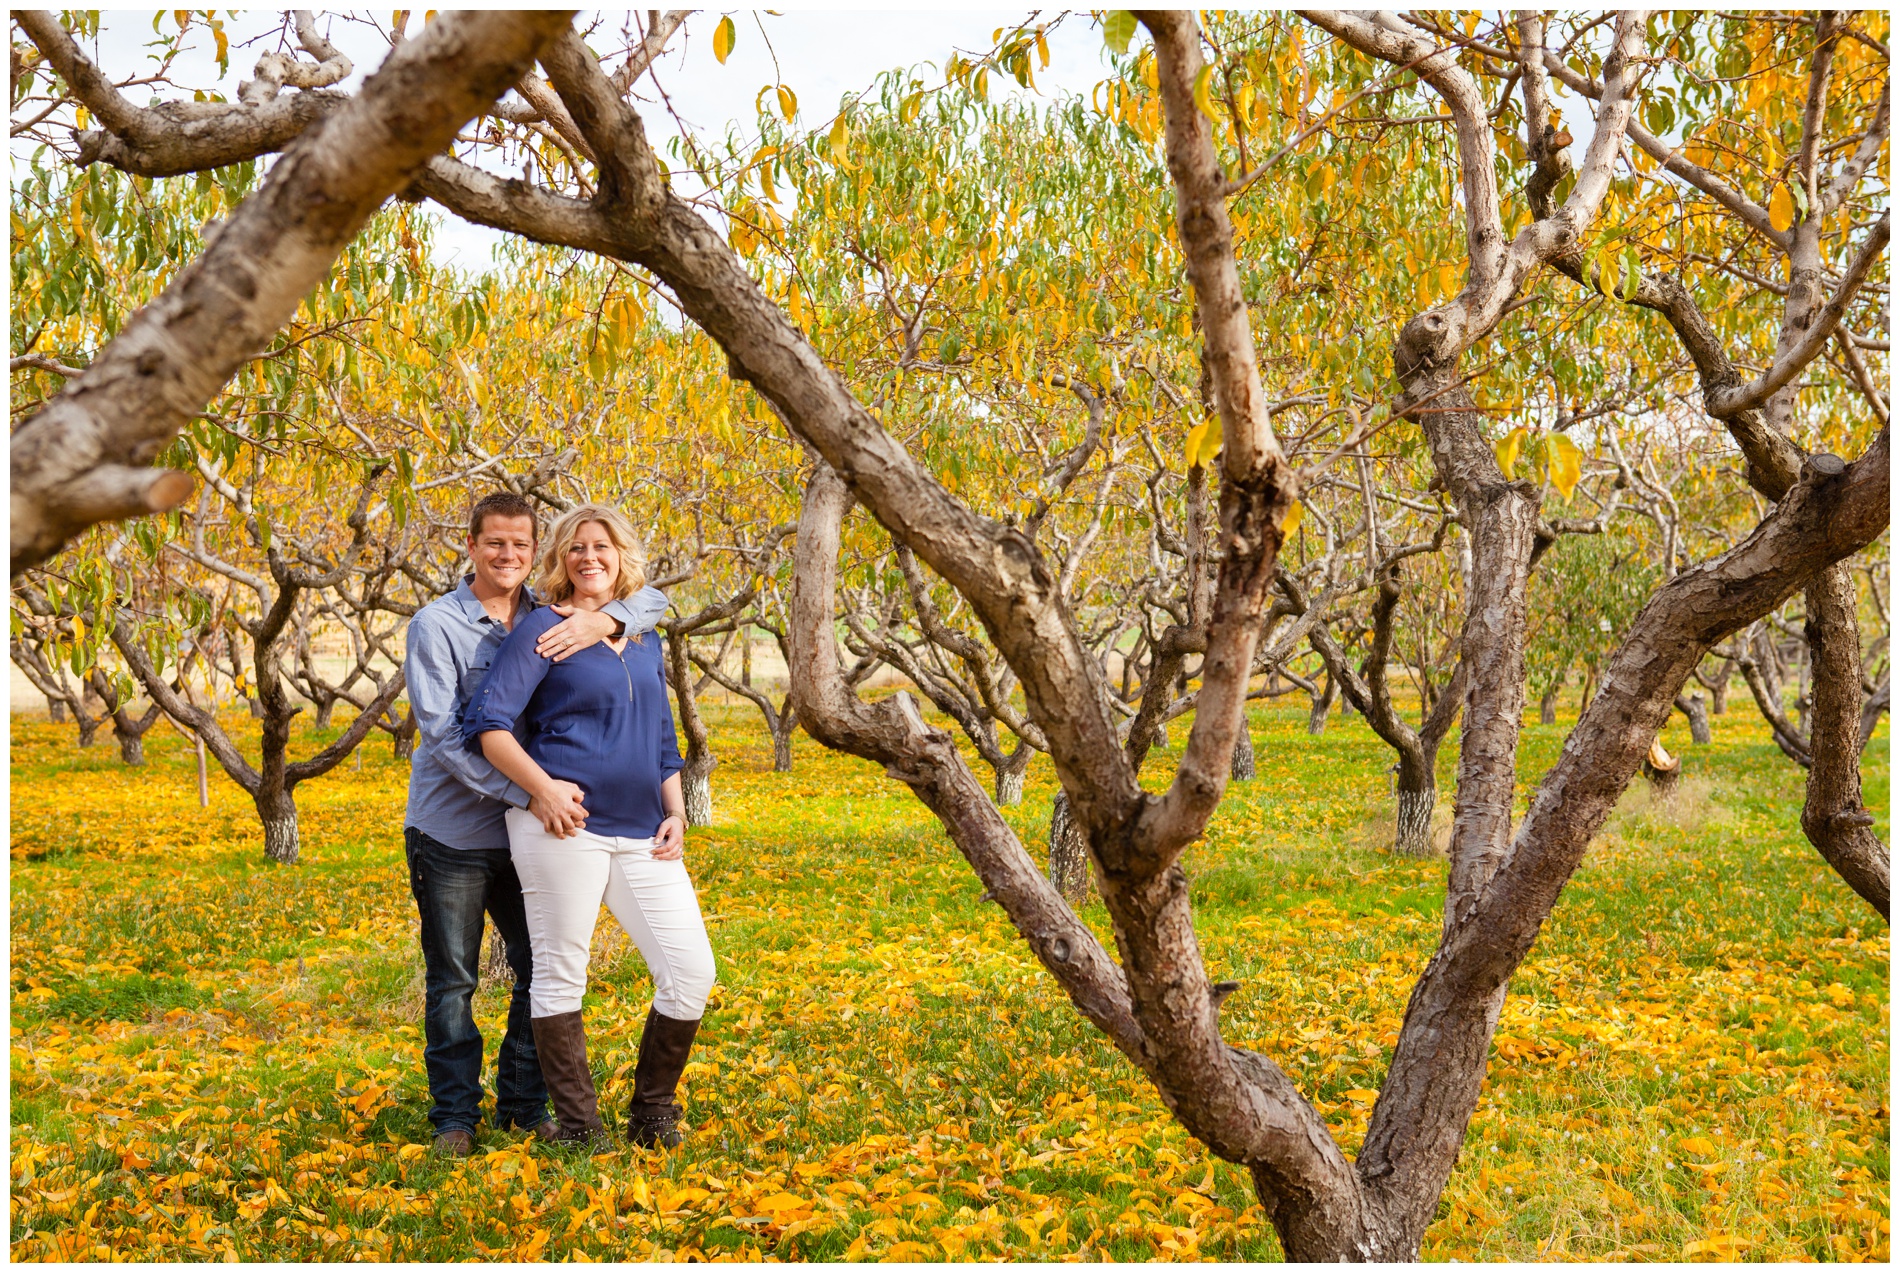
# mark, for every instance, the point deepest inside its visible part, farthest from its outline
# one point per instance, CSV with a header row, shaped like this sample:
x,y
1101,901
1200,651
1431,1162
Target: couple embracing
x,y
545,782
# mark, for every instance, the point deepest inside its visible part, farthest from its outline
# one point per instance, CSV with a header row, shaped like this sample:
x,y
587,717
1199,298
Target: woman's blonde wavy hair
x,y
551,583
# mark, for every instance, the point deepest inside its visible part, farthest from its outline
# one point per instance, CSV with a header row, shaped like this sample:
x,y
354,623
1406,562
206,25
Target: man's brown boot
x,y
561,1043
454,1143
653,1118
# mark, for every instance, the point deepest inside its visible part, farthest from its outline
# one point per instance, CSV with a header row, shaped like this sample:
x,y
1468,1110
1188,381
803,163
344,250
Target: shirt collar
x,y
472,608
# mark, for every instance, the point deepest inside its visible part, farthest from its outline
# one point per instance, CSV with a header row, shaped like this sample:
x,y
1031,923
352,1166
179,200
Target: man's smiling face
x,y
503,552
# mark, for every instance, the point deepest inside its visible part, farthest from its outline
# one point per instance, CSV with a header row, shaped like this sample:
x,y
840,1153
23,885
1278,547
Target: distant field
x,y
215,1058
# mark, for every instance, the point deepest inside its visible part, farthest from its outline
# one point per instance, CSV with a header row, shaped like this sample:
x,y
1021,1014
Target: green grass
x,y
213,1055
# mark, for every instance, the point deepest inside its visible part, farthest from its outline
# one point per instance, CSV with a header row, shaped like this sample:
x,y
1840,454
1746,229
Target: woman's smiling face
x,y
593,563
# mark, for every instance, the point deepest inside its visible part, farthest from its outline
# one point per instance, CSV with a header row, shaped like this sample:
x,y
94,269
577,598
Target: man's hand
x,y
577,630
669,842
560,808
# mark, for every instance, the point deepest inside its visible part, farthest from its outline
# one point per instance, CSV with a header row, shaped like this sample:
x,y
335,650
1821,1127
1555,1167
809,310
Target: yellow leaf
x,y
1717,1244
1507,448
787,103
1608,270
1700,1146
1566,464
724,36
1295,511
840,134
1781,207
224,42
642,1197
1363,1096
1194,437
1204,92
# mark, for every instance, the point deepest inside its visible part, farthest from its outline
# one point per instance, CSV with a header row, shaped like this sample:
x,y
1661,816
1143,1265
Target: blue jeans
x,y
452,888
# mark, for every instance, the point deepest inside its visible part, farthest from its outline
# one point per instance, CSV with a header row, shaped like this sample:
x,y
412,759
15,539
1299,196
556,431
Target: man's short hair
x,y
500,504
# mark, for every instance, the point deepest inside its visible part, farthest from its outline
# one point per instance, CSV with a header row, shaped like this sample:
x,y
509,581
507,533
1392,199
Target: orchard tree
x,y
1464,280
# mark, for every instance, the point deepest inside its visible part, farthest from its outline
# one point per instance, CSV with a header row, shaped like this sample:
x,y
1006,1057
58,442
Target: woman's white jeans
x,y
564,883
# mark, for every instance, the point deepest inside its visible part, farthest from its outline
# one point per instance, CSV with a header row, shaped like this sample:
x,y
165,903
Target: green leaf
x,y
1118,28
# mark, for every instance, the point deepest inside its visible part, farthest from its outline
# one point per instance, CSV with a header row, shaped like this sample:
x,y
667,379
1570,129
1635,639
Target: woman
x,y
599,726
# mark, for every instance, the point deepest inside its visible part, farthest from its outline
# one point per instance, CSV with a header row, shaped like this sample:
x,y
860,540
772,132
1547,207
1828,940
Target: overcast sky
x,y
820,55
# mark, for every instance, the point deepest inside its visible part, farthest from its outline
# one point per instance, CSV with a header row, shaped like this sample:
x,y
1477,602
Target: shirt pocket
x,y
470,681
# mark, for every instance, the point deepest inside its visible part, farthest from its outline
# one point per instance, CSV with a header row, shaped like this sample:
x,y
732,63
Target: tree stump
x,y
1663,771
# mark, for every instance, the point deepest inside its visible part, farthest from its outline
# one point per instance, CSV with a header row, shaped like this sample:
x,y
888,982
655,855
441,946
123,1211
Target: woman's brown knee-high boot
x,y
653,1118
561,1043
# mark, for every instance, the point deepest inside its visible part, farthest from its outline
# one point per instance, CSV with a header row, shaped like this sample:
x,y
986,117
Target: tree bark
x,y
1547,705
1322,706
696,776
1068,854
1836,821
1718,692
1010,775
1244,768
403,737
1692,705
277,809
1417,798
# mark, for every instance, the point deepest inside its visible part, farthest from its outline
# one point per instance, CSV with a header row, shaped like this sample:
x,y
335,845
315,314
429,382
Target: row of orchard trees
x,y
256,587
1308,353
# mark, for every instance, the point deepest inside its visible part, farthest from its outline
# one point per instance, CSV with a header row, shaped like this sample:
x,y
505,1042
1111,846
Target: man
x,y
455,836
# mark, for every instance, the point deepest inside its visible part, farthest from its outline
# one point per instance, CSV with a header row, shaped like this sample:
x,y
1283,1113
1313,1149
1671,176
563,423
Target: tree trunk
x,y
131,747
1696,709
1243,768
1833,816
55,711
1547,705
1718,693
1010,775
1322,707
325,709
1068,855
278,811
88,727
1416,798
782,749
403,737
495,967
696,774
697,787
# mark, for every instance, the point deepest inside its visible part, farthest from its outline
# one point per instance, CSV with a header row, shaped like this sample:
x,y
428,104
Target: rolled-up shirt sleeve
x,y
640,612
429,669
503,695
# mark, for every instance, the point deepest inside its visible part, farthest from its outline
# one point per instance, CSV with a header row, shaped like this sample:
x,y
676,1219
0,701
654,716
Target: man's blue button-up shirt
x,y
455,795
